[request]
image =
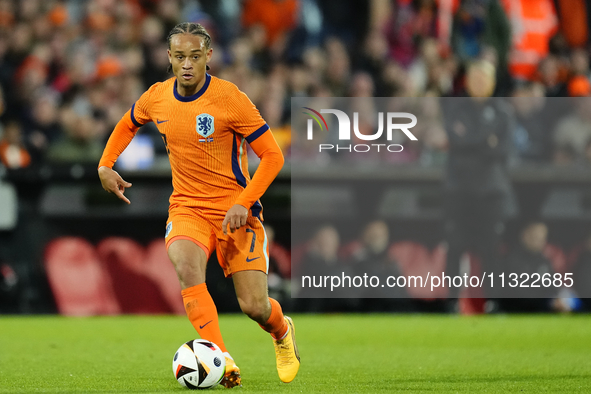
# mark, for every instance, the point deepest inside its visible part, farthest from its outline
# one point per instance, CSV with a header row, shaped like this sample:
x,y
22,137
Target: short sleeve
x,y
244,117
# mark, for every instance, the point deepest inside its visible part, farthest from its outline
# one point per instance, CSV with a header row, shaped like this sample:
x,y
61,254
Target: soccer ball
x,y
199,364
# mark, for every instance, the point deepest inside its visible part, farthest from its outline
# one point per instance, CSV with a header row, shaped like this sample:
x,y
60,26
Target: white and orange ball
x,y
199,364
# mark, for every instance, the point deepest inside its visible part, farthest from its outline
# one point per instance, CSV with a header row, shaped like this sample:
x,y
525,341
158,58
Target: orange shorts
x,y
245,249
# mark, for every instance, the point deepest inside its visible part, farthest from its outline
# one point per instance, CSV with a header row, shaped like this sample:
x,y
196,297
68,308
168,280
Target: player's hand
x,y
113,183
235,217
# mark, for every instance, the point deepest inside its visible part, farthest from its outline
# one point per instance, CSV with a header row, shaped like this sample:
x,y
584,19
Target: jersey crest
x,y
204,125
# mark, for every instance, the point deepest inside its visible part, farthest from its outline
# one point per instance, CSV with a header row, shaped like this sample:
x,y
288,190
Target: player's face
x,y
188,57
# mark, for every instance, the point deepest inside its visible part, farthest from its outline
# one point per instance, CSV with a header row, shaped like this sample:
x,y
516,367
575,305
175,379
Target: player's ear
x,y
208,54
169,56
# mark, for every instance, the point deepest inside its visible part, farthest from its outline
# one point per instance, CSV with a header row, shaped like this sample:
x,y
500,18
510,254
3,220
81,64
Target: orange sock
x,y
276,324
203,314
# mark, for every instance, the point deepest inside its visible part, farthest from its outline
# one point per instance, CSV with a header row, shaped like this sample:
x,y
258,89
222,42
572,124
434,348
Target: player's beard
x,y
189,86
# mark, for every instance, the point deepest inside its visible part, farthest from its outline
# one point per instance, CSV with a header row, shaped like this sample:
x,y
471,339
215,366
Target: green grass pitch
x,y
340,354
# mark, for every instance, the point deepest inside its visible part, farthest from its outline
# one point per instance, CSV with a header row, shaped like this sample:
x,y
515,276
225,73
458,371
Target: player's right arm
x,y
118,141
120,138
113,183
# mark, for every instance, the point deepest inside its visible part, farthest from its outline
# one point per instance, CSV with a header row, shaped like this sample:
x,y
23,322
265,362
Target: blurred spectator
x,y
362,85
272,111
7,16
533,23
258,56
411,22
276,17
573,133
279,256
338,64
12,150
429,73
477,187
579,62
322,256
41,125
574,21
373,243
80,142
528,258
154,49
532,136
578,84
373,58
322,259
346,19
279,268
370,256
434,139
481,29
314,65
553,76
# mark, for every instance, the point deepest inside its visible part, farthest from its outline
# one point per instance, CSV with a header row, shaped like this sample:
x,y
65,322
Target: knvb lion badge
x,y
205,127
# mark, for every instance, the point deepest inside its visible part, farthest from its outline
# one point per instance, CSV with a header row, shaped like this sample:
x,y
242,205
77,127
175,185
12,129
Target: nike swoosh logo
x,y
249,260
161,121
201,327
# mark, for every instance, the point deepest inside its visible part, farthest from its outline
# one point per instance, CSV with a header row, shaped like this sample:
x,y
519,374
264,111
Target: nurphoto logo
x,y
344,130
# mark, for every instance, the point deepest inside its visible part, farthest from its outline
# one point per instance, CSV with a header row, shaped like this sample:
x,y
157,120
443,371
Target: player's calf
x,y
256,309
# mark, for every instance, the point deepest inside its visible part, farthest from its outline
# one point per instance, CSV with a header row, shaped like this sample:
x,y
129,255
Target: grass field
x,y
340,354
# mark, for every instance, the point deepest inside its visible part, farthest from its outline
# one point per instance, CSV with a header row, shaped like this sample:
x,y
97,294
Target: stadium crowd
x,y
69,69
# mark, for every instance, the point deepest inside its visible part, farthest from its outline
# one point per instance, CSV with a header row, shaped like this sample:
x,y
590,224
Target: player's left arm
x,y
272,160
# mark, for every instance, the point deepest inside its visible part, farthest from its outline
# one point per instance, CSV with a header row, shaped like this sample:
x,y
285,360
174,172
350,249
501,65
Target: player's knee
x,y
189,262
188,272
257,309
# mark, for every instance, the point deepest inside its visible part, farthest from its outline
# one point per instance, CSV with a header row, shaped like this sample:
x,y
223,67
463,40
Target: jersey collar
x,y
196,95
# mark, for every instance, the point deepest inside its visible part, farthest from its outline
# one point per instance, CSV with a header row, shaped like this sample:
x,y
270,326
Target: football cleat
x,y
232,376
287,355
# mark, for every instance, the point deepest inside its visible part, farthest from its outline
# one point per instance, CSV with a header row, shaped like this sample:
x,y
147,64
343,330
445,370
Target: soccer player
x,y
205,123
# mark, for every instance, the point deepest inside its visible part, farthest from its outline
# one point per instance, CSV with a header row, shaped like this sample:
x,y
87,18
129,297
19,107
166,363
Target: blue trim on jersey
x,y
135,122
240,178
186,99
256,134
256,209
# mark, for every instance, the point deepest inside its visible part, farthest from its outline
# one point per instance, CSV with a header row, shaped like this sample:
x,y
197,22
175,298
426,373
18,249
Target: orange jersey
x,y
205,136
